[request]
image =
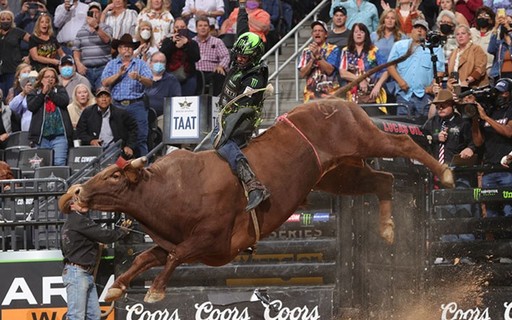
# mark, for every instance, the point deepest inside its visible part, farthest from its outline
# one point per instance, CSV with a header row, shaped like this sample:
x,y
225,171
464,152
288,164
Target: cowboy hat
x,y
127,40
443,96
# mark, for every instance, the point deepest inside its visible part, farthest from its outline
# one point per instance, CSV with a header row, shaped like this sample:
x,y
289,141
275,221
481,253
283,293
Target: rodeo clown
x,y
241,100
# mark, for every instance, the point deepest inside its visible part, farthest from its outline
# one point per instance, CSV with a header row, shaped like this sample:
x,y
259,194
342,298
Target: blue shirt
x,y
366,13
168,86
417,70
384,44
127,88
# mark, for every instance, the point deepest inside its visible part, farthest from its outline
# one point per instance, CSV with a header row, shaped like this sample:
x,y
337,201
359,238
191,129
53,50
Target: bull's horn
x,y
139,162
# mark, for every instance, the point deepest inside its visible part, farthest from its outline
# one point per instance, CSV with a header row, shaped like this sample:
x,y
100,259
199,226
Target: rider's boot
x,y
256,191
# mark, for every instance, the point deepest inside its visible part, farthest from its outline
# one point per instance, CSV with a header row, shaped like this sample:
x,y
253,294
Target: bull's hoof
x,y
447,177
154,296
387,231
113,294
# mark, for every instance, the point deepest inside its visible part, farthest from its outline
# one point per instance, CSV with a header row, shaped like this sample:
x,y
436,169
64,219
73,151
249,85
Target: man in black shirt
x,y
80,247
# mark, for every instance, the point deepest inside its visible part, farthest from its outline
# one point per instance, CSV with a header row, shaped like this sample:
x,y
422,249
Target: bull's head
x,y
99,191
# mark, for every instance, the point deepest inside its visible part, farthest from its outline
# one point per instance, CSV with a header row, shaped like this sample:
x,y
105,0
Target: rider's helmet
x,y
248,50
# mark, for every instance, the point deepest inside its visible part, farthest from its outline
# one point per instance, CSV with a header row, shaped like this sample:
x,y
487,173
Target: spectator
x,y
69,18
69,78
147,42
103,124
359,56
388,32
159,18
316,64
446,23
406,12
481,33
128,76
81,98
43,46
361,11
211,9
214,61
450,6
164,85
19,103
92,49
281,16
415,76
259,20
493,130
27,17
495,5
177,7
181,54
501,47
339,33
468,8
22,71
9,122
50,126
119,18
10,50
467,64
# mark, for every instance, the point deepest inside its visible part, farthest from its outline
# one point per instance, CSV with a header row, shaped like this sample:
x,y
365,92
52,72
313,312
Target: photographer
x,y
495,129
501,47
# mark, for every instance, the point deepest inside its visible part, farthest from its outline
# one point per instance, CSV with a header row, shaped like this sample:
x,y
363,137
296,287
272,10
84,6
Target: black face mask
x,y
446,28
5,25
482,22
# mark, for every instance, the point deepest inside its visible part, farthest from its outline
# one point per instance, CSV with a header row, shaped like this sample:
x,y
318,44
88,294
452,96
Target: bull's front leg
x,y
157,290
155,256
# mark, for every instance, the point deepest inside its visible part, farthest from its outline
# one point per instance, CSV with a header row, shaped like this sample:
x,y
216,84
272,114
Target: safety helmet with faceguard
x,y
248,45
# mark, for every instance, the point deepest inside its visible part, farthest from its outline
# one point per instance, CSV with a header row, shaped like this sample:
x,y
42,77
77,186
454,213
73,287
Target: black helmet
x,y
249,44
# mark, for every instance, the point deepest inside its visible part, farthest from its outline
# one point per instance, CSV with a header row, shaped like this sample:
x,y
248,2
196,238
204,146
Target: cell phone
x,y
501,12
183,32
33,5
90,14
454,75
71,2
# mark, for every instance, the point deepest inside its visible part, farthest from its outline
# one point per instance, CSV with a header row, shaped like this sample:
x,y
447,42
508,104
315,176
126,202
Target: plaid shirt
x,y
213,53
127,88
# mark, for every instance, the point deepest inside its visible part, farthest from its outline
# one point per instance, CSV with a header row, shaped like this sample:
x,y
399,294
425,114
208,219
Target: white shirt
x,y
204,5
123,23
69,22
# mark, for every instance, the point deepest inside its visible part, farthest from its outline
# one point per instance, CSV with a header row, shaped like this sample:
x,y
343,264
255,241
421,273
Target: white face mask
x,y
145,34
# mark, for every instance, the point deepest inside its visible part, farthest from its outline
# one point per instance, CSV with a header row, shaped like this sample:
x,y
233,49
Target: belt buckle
x,y
125,102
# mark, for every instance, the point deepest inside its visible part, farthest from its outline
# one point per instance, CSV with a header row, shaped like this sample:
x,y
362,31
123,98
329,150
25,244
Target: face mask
x,y
66,72
158,67
23,76
5,25
446,28
145,34
252,5
482,23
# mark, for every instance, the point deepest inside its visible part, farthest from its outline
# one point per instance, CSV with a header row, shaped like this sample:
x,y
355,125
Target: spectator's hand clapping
x,y
220,69
134,75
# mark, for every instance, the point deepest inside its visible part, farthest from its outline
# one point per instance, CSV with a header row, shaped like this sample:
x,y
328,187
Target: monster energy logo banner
x,y
491,194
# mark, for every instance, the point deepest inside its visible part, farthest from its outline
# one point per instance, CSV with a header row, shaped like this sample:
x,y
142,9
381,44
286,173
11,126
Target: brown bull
x,y
193,206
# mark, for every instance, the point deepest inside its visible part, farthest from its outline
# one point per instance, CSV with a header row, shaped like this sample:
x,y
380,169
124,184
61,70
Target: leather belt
x,y
128,102
88,269
68,44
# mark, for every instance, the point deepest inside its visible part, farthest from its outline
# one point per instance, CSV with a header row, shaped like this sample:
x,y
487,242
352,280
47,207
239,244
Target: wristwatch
x,y
97,27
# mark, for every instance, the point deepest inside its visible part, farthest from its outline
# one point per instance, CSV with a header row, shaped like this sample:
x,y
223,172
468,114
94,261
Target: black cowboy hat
x,y
127,40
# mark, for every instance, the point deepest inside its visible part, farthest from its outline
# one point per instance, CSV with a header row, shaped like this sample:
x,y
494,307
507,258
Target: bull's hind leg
x,y
155,256
392,146
363,180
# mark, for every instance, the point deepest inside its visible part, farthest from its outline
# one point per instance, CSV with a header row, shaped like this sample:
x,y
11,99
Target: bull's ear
x,y
132,170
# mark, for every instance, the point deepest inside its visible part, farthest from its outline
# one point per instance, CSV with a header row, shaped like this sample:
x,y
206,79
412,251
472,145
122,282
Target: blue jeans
x,y
82,297
139,112
496,180
93,74
230,150
189,86
59,145
417,106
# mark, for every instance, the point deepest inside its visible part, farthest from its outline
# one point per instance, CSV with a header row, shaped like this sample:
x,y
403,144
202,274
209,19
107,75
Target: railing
x,y
293,58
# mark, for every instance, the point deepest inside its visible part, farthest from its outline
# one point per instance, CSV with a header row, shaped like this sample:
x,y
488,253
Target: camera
x,y
435,39
485,96
90,14
33,5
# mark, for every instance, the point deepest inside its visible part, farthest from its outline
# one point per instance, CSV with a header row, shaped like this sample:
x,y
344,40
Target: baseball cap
x,y
67,60
95,4
339,9
103,90
421,22
321,23
502,85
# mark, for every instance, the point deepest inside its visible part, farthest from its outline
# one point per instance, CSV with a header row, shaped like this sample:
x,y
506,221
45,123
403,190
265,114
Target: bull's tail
x,y
341,92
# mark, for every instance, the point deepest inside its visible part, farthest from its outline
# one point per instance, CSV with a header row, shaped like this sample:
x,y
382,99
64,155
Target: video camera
x,y
435,39
486,96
